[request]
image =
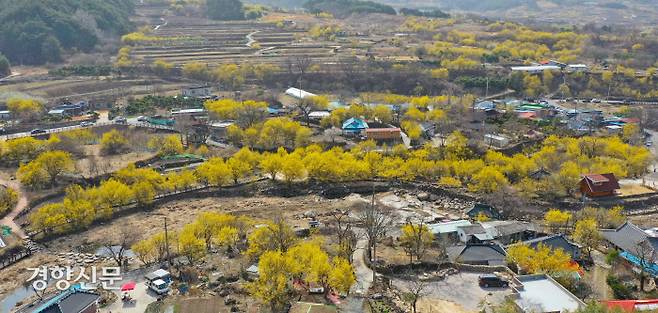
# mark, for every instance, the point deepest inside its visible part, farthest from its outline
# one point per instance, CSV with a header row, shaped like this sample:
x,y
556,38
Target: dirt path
x,y
250,38
22,203
354,303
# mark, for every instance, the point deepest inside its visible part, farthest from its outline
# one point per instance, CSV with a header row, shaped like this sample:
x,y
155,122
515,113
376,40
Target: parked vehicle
x,y
158,281
142,118
121,120
37,131
490,280
316,290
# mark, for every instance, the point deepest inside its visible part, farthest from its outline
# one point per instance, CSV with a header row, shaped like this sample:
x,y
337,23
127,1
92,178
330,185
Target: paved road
x,y
54,130
101,122
355,301
8,220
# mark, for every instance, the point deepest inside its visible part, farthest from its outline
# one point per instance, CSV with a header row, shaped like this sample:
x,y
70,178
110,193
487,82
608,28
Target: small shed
x,y
318,115
219,129
473,234
539,174
497,141
482,208
199,91
429,129
5,115
298,93
252,271
448,230
58,112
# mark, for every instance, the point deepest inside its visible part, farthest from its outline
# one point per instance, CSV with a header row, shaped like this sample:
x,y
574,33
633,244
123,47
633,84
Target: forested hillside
x,y
619,12
36,32
492,5
342,8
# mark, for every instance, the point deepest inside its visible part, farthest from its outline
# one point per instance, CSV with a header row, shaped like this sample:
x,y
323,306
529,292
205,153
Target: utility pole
x,y
167,241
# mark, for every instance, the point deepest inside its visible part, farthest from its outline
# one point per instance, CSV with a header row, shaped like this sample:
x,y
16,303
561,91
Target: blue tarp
x,y
651,269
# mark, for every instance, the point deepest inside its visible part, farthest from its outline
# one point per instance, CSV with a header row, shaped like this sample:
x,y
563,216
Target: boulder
x,y
230,301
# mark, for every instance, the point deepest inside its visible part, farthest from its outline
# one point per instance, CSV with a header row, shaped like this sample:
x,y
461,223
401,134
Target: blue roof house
x,y
354,126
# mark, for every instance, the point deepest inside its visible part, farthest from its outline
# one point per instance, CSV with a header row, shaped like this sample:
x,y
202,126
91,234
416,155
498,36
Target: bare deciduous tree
x,y
119,242
646,255
415,289
347,237
376,222
303,63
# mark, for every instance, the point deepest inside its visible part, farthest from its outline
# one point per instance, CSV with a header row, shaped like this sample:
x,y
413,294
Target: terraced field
x,y
211,42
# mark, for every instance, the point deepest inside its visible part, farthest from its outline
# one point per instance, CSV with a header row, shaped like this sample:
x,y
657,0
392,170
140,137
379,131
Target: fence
x,y
98,124
12,258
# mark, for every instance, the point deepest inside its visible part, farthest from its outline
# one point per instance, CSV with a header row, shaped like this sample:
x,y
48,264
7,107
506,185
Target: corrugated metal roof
x,y
298,93
540,293
447,227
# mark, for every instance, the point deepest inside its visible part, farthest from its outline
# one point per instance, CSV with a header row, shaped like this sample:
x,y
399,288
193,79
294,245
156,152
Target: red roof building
x,y
632,305
599,185
384,134
632,120
527,115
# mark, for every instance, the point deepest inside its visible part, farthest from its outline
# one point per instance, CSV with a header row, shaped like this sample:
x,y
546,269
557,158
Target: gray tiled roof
x,y
554,242
628,236
477,253
77,302
69,301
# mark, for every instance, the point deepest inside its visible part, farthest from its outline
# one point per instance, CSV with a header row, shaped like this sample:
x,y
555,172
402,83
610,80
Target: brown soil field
x,y
85,89
396,255
179,213
634,189
644,221
440,306
14,275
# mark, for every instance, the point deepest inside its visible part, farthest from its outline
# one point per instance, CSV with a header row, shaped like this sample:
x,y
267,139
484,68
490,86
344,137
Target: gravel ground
x,y
461,289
